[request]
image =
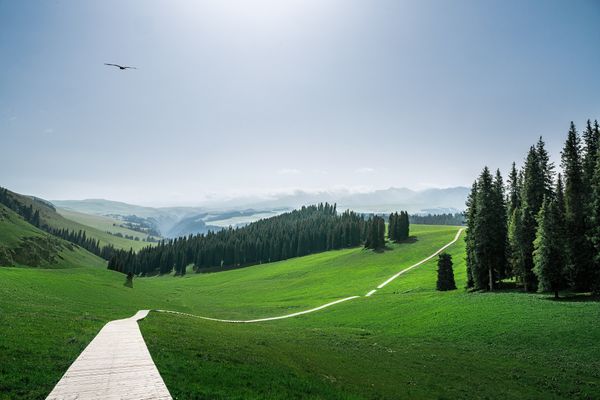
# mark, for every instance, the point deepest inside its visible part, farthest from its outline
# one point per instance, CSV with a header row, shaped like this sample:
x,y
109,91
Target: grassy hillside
x,y
406,341
22,244
100,222
50,217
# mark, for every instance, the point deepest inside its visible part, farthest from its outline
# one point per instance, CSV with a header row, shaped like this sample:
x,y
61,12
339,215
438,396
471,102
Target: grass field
x,y
406,341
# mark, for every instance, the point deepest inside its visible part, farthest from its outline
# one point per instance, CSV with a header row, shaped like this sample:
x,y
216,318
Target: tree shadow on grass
x,y
575,298
566,296
411,239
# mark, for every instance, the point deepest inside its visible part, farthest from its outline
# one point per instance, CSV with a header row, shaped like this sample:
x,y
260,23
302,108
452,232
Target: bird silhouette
x,y
121,67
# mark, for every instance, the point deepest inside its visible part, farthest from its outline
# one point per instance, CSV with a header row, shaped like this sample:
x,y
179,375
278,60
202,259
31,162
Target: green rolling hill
x,y
22,244
406,341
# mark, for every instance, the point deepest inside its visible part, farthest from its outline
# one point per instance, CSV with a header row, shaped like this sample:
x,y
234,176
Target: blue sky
x,y
253,97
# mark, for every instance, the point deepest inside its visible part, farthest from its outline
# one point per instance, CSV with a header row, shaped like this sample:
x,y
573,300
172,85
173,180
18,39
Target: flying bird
x,y
121,67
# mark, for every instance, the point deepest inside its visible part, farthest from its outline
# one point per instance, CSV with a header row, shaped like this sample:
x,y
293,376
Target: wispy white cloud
x,y
289,171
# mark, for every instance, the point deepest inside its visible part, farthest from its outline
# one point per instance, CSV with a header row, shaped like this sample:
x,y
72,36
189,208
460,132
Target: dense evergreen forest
x,y
438,219
301,232
543,228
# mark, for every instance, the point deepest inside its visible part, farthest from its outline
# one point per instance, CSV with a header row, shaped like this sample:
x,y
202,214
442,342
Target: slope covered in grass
x,y
22,244
48,317
406,341
50,217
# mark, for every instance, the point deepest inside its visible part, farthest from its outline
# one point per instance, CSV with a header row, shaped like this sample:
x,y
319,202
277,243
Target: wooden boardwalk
x,y
116,365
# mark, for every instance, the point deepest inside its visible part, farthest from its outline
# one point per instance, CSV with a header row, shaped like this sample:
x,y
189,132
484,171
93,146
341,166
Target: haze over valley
x,y
181,221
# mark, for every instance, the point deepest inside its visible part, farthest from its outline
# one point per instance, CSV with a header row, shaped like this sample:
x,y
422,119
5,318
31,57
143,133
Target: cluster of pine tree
x,y
438,219
305,231
546,231
398,226
375,233
79,238
27,212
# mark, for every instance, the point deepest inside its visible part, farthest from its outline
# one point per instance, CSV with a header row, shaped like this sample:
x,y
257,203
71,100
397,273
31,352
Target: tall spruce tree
x,y
577,248
487,259
404,225
532,197
546,167
392,227
514,256
548,254
501,231
591,140
470,217
594,232
514,190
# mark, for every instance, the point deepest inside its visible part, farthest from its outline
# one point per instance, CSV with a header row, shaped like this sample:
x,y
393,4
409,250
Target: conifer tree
x,y
445,273
35,220
546,168
577,249
485,240
405,225
380,233
594,232
549,262
532,198
500,230
591,139
392,227
470,216
514,190
514,257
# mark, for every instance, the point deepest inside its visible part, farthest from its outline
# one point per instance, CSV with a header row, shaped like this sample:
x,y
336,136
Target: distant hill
x,y
181,221
191,225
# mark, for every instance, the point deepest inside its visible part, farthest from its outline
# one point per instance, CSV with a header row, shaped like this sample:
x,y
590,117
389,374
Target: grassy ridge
x,y
22,244
50,217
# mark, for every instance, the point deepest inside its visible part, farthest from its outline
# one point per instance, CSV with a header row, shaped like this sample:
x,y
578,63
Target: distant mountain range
x,y
178,221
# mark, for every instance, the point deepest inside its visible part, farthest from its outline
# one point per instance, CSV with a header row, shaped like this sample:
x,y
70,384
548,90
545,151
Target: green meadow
x,y
406,341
